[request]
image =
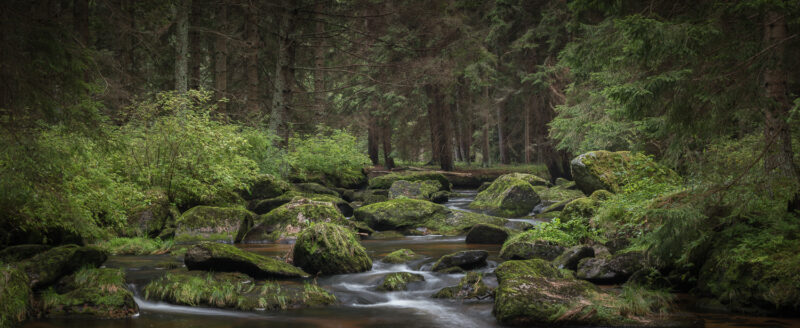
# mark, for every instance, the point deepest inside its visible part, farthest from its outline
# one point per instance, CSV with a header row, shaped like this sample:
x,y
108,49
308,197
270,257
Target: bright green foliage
x,y
328,248
135,246
95,292
583,207
15,296
335,155
224,290
398,281
400,256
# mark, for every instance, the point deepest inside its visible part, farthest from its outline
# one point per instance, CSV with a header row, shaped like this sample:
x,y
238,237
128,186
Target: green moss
x,y
507,196
15,296
417,190
469,287
386,181
533,180
90,291
330,249
400,256
46,268
266,186
223,257
135,246
399,280
601,195
397,214
210,223
613,170
583,207
388,234
21,252
458,222
557,193
291,218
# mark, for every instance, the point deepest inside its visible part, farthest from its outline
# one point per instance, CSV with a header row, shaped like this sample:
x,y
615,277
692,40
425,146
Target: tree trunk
x,y
195,48
386,135
252,102
80,11
433,122
182,45
486,161
319,62
527,142
372,139
446,156
500,143
221,55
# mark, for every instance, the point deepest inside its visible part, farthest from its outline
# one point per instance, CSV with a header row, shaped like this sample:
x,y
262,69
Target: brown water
x,y
360,304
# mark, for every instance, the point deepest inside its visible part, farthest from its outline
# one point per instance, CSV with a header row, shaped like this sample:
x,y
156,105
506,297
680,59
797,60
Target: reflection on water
x,y
361,305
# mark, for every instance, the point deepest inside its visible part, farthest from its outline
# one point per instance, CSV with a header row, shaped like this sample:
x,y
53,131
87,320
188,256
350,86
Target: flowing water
x,y
361,305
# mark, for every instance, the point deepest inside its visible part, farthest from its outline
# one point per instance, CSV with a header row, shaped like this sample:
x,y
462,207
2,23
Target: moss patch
x,y
613,170
407,214
211,223
414,189
227,258
15,296
46,268
507,196
583,207
266,186
135,246
469,287
290,219
94,292
400,256
386,181
399,281
330,249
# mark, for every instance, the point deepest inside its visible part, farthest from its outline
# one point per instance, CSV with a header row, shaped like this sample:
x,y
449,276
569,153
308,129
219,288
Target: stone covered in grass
x,y
15,296
400,256
290,219
386,181
266,205
533,244
507,196
487,234
314,188
235,291
469,287
399,281
47,267
211,223
557,194
583,207
94,292
329,248
466,260
266,186
613,170
218,257
424,189
407,215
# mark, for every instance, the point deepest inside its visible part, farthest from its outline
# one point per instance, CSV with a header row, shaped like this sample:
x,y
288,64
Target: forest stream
x,y
360,304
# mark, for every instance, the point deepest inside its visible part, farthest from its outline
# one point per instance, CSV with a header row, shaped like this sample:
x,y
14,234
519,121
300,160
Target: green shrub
x,y
135,246
334,154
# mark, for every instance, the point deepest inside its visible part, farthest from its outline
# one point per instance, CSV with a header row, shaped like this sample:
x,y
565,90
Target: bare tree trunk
x,y
486,161
221,55
372,139
500,143
386,135
182,45
446,156
195,49
319,62
252,102
80,12
433,122
527,142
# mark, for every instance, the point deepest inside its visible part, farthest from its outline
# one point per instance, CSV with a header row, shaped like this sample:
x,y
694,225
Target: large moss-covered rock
x,y
15,296
328,248
386,181
572,256
266,186
583,207
90,292
402,255
286,221
528,245
469,287
371,196
465,260
614,270
211,223
487,234
611,171
218,257
533,180
264,206
399,281
508,196
234,290
407,215
20,252
556,194
414,189
47,267
315,188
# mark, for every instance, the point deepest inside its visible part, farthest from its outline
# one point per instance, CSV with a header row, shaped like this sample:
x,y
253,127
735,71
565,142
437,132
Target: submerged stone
x,y
218,257
469,287
466,260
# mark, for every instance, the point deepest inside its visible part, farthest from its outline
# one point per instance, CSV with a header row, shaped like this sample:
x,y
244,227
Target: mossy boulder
x,y
371,196
234,291
556,194
314,188
47,267
264,206
487,234
533,180
601,195
614,270
266,186
508,196
572,256
93,292
469,287
288,220
484,186
400,256
211,223
20,252
583,207
15,296
466,260
613,170
399,281
386,181
329,248
414,189
218,257
528,245
409,214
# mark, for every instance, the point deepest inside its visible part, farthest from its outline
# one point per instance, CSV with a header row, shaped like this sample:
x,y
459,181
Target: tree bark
x,y
221,55
372,139
433,122
182,45
500,141
446,156
252,102
527,142
386,135
195,48
319,62
486,160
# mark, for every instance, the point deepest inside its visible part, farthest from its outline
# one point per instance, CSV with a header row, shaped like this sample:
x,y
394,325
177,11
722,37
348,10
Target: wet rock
x,y
266,186
508,196
15,296
386,181
21,252
484,186
415,190
527,245
286,221
614,270
407,215
399,281
487,234
371,196
400,256
218,257
469,287
441,197
466,260
211,223
47,267
91,292
572,256
610,170
328,248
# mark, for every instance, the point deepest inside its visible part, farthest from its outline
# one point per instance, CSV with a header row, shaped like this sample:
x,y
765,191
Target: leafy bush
x,y
334,154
